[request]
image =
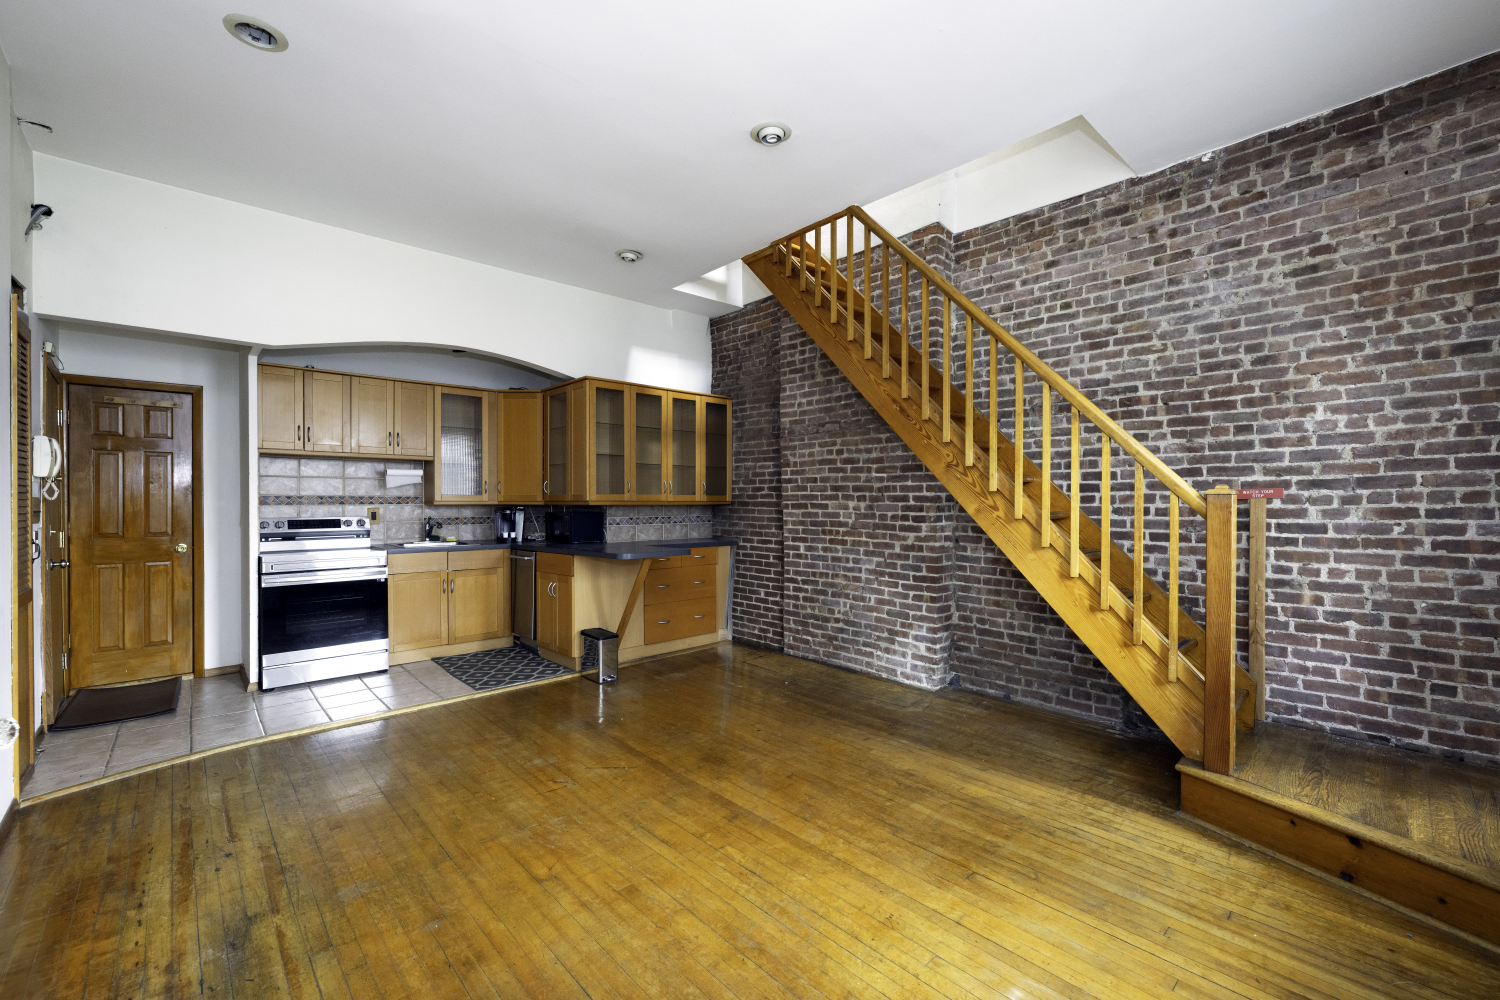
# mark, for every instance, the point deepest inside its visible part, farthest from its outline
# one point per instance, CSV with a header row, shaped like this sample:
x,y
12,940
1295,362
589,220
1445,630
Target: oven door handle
x,y
323,576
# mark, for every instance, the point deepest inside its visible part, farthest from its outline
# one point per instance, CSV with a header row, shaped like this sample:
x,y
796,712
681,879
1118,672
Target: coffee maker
x,y
510,524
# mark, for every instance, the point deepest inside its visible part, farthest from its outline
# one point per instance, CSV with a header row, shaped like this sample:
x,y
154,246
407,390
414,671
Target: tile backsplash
x,y
339,487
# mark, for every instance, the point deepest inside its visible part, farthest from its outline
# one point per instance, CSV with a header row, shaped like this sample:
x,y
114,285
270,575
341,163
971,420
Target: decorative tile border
x,y
320,500
445,521
616,522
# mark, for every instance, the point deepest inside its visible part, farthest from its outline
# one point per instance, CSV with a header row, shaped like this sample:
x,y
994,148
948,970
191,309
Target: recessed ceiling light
x,y
771,133
255,33
629,256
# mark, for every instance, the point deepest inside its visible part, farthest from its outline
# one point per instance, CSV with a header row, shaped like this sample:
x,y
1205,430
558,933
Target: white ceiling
x,y
543,137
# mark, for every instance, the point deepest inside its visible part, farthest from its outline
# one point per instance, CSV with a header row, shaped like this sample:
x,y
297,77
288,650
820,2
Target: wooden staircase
x,y
1181,673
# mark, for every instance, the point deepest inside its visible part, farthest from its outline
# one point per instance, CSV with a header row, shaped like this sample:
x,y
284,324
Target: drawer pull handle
x,y
700,616
662,586
700,581
667,622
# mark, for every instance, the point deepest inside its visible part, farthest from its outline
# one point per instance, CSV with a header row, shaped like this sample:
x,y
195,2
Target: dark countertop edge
x,y
645,549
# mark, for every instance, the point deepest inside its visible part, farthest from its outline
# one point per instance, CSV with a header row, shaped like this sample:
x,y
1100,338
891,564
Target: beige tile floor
x,y
216,711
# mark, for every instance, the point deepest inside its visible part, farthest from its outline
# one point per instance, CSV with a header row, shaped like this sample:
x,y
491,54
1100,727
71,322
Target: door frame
x,y
196,391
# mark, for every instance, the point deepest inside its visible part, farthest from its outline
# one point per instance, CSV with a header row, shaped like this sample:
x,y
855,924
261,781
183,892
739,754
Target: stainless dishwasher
x,y
523,596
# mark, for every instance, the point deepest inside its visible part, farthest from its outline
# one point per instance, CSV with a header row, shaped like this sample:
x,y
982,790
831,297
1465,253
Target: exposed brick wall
x,y
746,367
1315,308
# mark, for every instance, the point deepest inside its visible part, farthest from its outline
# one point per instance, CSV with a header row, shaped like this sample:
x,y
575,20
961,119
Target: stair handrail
x,y
1127,442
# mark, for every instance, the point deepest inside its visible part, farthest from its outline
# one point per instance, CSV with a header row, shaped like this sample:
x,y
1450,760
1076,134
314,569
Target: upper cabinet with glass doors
x,y
464,469
635,444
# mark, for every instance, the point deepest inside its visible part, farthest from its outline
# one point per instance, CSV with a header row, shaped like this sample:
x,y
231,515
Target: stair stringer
x,y
1177,707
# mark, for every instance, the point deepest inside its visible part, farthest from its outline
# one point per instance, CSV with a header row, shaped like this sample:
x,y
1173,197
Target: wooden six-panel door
x,y
130,533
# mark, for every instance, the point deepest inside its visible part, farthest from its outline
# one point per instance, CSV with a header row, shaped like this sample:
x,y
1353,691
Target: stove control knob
x,y
281,524
264,525
348,523
360,523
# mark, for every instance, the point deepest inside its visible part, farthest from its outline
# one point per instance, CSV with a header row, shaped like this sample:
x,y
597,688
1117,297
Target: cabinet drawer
x,y
416,562
483,559
702,557
680,619
551,562
684,583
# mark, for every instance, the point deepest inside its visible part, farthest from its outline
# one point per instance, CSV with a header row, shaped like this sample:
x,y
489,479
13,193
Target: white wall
x,y
134,253
132,354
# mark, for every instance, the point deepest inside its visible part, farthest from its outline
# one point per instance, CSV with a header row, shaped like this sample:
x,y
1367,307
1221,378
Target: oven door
x,y
308,616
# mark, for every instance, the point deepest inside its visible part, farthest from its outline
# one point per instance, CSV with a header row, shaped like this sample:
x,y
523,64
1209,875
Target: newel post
x,y
1219,610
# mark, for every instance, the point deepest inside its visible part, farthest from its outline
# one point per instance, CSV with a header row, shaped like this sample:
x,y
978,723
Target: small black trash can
x,y
601,655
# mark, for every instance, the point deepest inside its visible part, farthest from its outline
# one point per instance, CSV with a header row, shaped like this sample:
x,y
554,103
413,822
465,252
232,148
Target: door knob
x,y
180,546
57,565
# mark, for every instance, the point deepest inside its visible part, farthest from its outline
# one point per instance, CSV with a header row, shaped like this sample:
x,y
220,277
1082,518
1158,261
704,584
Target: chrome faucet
x,y
430,526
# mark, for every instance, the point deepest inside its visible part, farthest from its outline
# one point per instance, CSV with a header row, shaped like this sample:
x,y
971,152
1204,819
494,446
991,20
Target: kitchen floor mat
x,y
101,706
497,668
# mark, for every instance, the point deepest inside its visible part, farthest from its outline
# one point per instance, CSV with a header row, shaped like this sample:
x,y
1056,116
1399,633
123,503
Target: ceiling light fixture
x,y
629,256
771,133
255,33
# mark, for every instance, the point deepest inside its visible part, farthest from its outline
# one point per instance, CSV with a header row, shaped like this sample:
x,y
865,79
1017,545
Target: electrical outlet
x,y
374,515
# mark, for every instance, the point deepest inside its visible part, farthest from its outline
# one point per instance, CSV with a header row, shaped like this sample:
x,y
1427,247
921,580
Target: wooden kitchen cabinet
x,y
687,447
716,450
452,598
634,444
463,470
649,444
280,406
412,414
418,605
554,603
565,443
371,401
518,460
608,465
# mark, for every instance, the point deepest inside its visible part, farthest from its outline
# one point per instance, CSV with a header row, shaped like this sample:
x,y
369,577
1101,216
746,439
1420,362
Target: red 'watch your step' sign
x,y
1268,494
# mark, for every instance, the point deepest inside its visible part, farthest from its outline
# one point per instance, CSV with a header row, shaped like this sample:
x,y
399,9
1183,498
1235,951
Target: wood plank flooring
x,y
721,823
1441,806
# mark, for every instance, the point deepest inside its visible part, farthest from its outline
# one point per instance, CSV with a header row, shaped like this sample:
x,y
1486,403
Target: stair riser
x,y
1401,878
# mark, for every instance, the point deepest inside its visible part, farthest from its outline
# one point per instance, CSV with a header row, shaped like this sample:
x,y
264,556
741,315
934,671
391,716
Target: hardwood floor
x,y
719,823
1447,808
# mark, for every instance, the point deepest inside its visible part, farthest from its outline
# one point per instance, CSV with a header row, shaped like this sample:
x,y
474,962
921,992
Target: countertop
x,y
652,549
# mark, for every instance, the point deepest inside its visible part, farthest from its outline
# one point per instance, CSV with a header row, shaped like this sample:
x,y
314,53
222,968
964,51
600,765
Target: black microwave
x,y
575,525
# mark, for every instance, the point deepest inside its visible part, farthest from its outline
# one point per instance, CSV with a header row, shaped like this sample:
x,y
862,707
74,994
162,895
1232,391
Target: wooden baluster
x,y
869,294
1104,542
1172,640
1137,618
1045,479
833,272
1074,555
787,259
802,277
1257,570
1219,612
1018,460
885,311
818,263
905,330
994,420
969,408
849,284
947,371
926,354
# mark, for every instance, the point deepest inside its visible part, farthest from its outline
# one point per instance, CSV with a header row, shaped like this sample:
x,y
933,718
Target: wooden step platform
x,y
1413,828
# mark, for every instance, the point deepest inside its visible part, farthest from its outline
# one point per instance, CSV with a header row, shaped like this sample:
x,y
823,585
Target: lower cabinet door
x,y
473,604
418,605
546,612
